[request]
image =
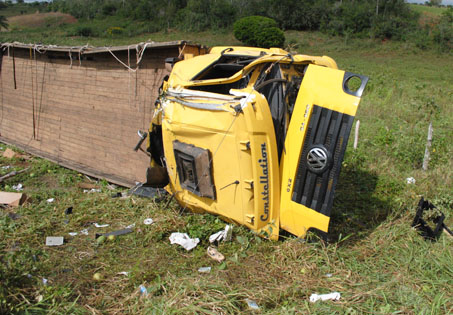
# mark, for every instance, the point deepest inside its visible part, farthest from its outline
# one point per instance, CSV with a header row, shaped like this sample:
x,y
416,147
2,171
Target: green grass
x,y
427,9
379,264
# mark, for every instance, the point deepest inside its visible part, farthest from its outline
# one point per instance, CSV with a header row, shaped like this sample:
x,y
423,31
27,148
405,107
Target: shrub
x,y
108,9
443,33
259,31
269,37
84,31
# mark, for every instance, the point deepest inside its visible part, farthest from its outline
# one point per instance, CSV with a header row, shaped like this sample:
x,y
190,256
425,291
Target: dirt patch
x,y
41,19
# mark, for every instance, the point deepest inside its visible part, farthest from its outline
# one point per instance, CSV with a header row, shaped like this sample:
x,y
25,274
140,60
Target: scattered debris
x,y
432,214
88,186
252,304
117,195
112,186
68,211
410,180
116,233
334,296
91,191
100,239
184,240
328,275
204,269
12,199
44,281
100,225
13,216
215,254
124,273
54,240
9,154
13,173
147,192
18,187
131,226
224,235
148,221
143,291
84,232
50,200
97,276
7,167
73,233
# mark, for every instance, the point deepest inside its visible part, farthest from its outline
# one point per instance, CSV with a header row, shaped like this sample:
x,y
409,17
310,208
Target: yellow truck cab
x,y
256,136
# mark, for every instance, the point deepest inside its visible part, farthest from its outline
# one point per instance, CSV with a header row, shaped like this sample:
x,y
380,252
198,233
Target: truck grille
x,y
327,133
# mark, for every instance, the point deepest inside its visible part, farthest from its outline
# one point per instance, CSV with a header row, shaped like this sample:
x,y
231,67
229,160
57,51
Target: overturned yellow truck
x,y
256,136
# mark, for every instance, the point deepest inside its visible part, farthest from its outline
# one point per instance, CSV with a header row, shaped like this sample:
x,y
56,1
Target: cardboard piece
x,y
12,199
85,185
9,153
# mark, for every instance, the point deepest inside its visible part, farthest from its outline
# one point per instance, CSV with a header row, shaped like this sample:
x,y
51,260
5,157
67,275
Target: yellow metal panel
x,y
323,87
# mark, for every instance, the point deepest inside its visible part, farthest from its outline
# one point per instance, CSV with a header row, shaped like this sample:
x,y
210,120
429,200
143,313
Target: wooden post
x,y
428,147
356,134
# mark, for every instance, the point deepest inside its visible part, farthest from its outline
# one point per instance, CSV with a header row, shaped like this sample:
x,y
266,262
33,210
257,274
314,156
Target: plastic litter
x,y
328,275
73,233
116,233
204,269
100,225
54,240
148,221
44,281
215,254
84,232
18,187
184,240
224,235
93,190
6,167
334,296
124,273
410,180
68,211
143,290
131,226
50,200
252,304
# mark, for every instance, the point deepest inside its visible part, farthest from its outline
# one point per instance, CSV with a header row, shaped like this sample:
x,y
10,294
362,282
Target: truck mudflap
x,y
314,147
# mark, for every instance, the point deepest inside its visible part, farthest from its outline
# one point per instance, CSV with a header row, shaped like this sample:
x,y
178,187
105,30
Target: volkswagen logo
x,y
318,159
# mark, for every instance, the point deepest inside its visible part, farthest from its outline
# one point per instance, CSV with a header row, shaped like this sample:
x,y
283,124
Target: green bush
x,y
259,31
84,31
443,32
270,37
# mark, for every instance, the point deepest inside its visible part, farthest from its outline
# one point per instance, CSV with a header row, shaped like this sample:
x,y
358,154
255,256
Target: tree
x,y
435,2
3,22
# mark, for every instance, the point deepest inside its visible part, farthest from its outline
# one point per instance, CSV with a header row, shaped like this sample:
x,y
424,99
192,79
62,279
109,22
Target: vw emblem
x,y
318,159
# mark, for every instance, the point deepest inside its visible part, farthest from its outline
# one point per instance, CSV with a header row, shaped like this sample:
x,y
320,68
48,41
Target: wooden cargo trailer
x,y
81,107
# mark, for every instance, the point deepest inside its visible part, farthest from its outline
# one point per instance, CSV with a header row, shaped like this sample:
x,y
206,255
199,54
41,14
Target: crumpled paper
x,y
224,235
334,296
184,240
